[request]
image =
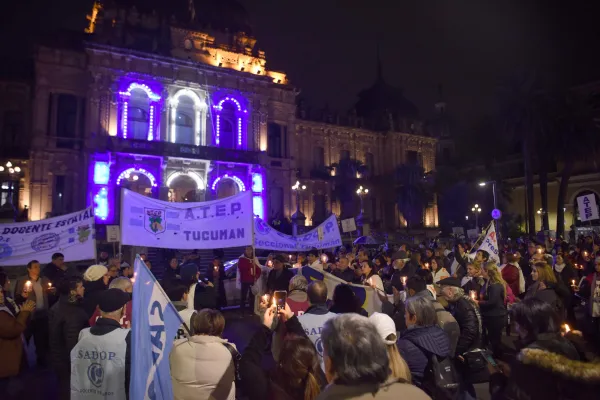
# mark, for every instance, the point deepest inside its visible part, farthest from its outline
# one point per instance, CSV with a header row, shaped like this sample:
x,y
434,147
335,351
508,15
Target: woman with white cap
x,y
95,282
387,330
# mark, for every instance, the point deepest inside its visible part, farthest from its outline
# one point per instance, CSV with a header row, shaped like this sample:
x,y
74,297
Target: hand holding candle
x,y
473,294
404,280
28,286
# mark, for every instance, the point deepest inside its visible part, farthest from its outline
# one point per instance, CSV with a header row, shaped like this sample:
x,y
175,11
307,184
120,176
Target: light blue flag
x,y
154,325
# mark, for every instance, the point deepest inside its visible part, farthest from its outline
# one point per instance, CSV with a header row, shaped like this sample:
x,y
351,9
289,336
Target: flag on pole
x,y
154,325
488,242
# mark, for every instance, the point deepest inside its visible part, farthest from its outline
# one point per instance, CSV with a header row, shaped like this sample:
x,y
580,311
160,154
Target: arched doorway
x,y
226,188
137,180
186,187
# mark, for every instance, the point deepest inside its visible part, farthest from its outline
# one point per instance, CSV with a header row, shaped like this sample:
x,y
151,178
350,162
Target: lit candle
x,y
216,268
473,294
540,251
566,328
426,265
28,286
324,258
404,280
49,285
585,253
290,257
573,282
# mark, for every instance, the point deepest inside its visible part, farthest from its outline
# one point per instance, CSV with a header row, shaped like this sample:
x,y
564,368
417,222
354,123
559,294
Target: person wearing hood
x,y
95,282
422,338
66,319
548,365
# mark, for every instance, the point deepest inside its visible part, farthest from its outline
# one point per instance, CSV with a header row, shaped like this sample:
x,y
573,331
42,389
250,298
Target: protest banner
x,y
206,225
367,296
489,243
72,235
268,238
155,324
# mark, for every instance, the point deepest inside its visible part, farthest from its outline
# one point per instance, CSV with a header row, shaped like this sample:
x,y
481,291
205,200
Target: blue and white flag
x,y
154,325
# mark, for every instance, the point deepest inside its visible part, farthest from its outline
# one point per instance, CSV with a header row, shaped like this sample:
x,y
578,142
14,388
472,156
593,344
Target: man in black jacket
x,y
466,314
279,277
343,271
56,270
66,319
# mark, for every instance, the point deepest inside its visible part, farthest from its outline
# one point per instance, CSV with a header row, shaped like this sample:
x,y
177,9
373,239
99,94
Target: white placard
x,y
588,210
348,225
205,225
113,233
458,230
72,235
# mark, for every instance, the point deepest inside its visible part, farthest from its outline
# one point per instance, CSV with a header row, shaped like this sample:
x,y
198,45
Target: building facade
x,y
180,112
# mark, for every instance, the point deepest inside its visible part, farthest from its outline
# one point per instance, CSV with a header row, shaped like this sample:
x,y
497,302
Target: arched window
x,y
188,115
138,112
229,123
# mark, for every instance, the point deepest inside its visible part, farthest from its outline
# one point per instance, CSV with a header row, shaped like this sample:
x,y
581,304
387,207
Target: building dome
x,y
384,106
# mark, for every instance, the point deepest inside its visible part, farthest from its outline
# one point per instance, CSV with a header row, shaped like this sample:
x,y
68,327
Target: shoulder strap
x,y
234,353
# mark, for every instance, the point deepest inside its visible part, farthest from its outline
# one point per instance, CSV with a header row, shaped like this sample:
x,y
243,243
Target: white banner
x,y
588,210
267,238
367,296
72,235
490,244
206,225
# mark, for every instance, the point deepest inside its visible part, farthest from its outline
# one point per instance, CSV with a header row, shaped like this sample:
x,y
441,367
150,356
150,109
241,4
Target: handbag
x,y
237,357
475,367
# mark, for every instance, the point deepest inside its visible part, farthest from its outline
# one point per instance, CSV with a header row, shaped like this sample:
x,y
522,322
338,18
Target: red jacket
x,y
125,319
245,266
510,274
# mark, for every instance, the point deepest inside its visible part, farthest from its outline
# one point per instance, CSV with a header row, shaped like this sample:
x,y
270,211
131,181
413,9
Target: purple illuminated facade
x,y
142,112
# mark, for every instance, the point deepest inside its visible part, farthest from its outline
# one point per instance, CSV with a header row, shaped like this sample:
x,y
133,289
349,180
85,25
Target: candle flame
x,y
49,284
567,329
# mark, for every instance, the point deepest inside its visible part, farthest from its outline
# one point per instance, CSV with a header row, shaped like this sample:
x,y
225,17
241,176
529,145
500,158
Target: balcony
x,y
167,149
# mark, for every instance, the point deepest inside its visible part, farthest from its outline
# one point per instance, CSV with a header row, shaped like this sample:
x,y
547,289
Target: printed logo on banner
x,y
45,242
95,374
83,233
5,250
155,221
261,226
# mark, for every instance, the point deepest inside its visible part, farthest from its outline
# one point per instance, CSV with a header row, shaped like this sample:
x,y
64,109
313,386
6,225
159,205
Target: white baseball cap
x,y
385,326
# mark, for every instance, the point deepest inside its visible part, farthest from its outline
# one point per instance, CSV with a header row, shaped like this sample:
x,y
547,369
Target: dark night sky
x,y
328,47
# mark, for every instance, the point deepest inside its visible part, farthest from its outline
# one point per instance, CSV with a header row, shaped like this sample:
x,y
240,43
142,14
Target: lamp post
x,y
476,210
493,183
361,192
297,216
541,213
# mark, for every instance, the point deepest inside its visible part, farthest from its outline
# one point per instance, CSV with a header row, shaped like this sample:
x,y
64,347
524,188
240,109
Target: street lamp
x,y
297,216
476,210
541,213
361,192
493,183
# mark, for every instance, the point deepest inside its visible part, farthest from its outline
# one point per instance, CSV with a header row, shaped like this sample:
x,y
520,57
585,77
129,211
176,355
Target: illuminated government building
x,y
180,105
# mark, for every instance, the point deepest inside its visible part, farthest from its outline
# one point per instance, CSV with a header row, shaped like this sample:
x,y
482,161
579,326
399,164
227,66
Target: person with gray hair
x,y
357,364
122,283
423,336
297,298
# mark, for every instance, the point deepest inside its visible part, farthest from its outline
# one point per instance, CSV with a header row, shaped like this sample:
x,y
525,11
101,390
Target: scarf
x,y
559,267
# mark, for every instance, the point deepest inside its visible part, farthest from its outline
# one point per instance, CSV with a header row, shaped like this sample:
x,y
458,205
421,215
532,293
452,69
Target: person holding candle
x,y
566,274
249,271
56,271
40,291
473,280
370,277
492,299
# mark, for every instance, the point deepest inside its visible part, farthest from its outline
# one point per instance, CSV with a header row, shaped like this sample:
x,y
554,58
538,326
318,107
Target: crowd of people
x,y
440,331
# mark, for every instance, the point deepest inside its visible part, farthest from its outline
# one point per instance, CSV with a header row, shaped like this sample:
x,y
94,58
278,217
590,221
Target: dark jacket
x,y
258,384
93,291
548,369
65,319
417,343
448,323
470,328
169,278
346,275
491,300
104,326
54,274
281,282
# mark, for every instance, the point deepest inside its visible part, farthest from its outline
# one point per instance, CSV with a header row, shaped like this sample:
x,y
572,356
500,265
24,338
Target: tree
x,y
578,139
523,106
345,183
414,191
